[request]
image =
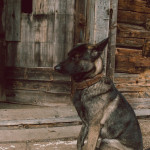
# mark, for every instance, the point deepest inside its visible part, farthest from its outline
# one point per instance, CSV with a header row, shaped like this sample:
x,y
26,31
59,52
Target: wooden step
x,y
40,134
47,115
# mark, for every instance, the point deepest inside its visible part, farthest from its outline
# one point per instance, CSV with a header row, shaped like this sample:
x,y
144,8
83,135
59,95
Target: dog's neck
x,y
85,83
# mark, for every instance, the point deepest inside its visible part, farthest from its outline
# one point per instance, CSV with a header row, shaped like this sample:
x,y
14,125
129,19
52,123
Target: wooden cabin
x,y
35,107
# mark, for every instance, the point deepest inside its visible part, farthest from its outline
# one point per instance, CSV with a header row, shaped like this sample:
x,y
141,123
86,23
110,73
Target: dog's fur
x,y
109,122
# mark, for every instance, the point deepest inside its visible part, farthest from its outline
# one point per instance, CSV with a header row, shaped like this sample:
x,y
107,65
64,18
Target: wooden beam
x,y
112,39
2,53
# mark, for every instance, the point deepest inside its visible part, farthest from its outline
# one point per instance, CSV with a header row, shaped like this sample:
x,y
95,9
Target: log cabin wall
x,y
132,73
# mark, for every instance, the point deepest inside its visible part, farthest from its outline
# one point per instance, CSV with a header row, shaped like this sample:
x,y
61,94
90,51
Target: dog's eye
x,y
75,57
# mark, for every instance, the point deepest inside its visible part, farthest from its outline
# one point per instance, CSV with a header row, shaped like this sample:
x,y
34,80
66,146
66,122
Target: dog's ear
x,y
98,48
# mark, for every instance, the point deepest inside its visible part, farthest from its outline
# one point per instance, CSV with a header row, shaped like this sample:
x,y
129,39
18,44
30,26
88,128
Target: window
x,y
26,6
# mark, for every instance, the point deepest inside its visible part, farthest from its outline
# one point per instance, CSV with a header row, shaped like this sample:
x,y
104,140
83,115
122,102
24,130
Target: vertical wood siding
x,y
46,35
13,14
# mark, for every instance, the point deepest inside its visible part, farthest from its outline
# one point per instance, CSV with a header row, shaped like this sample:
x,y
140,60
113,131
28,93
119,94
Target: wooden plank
x,y
29,54
35,116
32,113
126,62
39,134
45,86
13,22
53,145
132,31
60,39
101,21
69,37
27,28
136,5
129,95
110,69
133,17
132,79
40,25
130,42
142,113
40,98
2,51
11,146
40,73
80,21
20,54
43,55
44,6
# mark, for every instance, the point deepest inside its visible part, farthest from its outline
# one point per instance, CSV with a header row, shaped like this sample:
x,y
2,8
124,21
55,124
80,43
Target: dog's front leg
x,y
93,136
82,136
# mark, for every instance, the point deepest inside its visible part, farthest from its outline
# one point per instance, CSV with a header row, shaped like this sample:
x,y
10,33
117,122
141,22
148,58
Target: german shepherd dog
x,y
109,122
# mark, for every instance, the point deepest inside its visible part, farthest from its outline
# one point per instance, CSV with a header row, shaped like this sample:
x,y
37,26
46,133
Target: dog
x,y
109,122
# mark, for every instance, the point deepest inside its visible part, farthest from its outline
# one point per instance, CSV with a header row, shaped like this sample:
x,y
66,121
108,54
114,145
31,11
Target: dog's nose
x,y
58,67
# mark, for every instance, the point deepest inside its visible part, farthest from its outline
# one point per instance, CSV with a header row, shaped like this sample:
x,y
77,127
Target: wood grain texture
x,y
136,5
112,39
126,61
13,20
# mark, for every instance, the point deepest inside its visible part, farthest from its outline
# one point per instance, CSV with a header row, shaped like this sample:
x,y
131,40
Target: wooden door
x,y
47,33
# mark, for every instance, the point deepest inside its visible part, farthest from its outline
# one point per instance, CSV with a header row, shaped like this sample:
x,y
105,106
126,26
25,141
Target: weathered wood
x,y
39,134
53,145
133,17
27,28
110,69
99,22
146,48
127,62
2,52
80,21
44,7
13,20
16,146
130,42
132,31
34,74
36,116
45,86
40,98
136,5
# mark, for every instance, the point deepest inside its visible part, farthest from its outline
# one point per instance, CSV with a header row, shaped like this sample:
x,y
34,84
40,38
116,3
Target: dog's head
x,y
84,61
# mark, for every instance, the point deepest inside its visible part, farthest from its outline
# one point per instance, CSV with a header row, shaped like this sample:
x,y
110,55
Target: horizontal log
x,y
130,61
132,17
130,42
142,6
132,31
40,74
129,95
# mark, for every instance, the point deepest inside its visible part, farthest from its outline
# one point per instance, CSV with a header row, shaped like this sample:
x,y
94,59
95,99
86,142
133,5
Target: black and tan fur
x,y
109,122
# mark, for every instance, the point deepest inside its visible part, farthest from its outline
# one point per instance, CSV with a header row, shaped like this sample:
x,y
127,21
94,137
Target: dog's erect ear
x,y
98,48
101,45
79,48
